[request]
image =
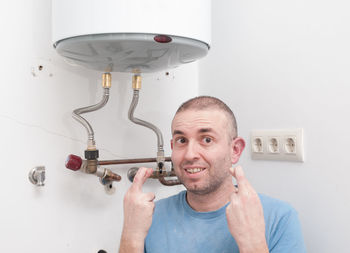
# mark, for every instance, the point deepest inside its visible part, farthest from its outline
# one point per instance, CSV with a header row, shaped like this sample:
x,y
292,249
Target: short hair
x,y
208,102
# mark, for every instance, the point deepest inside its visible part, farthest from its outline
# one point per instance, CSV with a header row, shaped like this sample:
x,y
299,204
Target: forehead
x,y
197,119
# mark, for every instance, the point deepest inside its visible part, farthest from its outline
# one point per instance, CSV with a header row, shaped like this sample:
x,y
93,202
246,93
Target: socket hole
x,y
290,146
257,145
273,145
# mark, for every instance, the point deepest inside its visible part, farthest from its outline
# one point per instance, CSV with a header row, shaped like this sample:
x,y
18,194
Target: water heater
x,y
135,36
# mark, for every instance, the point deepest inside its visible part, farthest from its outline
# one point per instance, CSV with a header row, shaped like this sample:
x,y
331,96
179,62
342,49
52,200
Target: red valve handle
x,y
73,162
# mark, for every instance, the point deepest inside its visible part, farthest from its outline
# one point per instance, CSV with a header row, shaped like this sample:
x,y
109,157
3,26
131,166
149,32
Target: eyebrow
x,y
202,130
205,130
177,132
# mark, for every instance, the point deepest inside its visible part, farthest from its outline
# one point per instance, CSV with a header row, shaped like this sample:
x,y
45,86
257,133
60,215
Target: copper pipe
x,y
169,182
110,176
161,176
156,174
127,161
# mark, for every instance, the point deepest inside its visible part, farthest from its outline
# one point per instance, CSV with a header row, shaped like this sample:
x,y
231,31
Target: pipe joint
x,y
91,154
106,80
91,166
136,82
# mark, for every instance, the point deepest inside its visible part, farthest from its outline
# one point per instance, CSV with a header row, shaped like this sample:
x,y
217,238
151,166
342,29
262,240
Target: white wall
x,y
71,213
285,64
278,64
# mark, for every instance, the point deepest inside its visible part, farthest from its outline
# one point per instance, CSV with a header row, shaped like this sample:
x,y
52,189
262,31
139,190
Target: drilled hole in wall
x,y
40,67
101,251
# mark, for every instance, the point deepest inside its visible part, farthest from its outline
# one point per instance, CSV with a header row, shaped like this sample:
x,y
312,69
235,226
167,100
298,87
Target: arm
x,y
138,211
245,216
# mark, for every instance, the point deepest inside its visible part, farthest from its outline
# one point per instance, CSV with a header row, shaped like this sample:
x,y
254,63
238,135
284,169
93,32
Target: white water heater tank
x,y
131,35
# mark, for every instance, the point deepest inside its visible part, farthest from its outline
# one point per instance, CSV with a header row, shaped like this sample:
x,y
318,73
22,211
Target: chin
x,y
198,190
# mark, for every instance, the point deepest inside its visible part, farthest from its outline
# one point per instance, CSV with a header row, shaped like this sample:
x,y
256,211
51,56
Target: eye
x,y
207,139
181,140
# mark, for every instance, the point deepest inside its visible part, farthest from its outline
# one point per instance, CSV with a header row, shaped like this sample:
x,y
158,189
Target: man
x,y
213,215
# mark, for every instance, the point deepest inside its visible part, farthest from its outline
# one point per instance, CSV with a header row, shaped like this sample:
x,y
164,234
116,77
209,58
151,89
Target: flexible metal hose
x,y
133,105
76,114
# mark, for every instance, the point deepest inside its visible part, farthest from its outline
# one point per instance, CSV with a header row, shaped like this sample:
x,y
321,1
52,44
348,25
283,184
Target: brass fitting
x,y
91,145
106,80
91,167
110,176
136,82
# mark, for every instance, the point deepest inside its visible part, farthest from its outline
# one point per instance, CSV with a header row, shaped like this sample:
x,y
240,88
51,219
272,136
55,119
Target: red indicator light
x,y
162,39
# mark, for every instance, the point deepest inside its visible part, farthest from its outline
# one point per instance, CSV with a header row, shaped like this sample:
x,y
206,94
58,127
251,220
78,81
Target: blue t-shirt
x,y
177,228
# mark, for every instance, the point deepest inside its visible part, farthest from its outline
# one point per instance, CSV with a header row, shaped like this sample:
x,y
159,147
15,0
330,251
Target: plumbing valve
x,y
91,157
106,176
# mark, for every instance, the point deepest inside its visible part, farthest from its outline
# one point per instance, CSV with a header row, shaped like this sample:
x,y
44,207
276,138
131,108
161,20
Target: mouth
x,y
194,170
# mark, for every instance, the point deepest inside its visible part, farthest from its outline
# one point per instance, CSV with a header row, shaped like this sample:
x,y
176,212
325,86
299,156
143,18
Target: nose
x,y
191,152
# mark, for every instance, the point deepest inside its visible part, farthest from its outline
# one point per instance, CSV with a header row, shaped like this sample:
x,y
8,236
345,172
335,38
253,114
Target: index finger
x,y
241,180
141,177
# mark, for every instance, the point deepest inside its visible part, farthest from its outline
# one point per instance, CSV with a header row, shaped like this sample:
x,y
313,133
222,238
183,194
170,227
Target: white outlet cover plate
x,y
284,152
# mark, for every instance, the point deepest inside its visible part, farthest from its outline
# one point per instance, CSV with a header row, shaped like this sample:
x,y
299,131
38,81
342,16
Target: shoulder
x,y
283,228
275,206
279,215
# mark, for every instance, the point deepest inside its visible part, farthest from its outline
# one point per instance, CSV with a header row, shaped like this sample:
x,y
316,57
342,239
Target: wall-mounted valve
x,y
107,177
37,176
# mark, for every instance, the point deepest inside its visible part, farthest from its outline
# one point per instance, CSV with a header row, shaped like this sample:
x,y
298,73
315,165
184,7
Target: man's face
x,y
202,151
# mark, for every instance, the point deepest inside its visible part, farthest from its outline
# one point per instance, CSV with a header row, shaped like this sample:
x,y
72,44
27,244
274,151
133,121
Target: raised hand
x,y
245,216
138,211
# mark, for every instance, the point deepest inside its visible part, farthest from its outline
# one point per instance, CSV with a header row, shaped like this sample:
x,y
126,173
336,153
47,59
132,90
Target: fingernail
x,y
239,170
232,170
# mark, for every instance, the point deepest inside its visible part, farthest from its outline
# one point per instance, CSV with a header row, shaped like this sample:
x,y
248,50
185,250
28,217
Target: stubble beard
x,y
212,184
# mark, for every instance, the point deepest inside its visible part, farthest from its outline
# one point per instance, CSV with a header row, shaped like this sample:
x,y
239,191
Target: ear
x,y
237,146
171,144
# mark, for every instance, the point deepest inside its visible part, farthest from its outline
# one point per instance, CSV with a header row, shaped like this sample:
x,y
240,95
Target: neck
x,y
211,201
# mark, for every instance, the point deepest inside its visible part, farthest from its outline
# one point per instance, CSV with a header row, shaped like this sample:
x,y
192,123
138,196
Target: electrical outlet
x,y
282,145
290,146
273,145
257,144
